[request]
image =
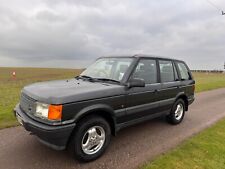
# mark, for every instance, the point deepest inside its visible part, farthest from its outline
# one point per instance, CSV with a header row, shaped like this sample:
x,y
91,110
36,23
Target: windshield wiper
x,y
109,80
96,79
85,77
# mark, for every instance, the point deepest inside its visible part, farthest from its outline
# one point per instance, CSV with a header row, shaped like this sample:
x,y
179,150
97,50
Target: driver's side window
x,y
146,70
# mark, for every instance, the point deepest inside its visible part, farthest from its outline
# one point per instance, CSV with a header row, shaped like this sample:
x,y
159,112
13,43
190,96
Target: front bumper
x,y
55,137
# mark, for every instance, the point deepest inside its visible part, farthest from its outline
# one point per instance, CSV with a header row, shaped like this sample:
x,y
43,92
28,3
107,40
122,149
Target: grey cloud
x,y
70,30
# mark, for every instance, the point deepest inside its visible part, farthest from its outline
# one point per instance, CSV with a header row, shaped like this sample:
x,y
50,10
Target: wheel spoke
x,y
179,111
92,132
100,137
87,146
87,143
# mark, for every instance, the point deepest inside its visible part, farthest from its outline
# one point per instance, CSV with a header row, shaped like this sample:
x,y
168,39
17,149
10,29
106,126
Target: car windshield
x,y
108,69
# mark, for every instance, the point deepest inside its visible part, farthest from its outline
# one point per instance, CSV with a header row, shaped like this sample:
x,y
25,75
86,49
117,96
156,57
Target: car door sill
x,y
142,119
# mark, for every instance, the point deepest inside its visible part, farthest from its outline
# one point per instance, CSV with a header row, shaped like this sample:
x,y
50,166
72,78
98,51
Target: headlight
x,y
42,110
50,112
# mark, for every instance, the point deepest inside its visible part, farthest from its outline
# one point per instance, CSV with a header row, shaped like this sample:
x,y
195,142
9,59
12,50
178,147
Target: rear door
x,y
141,101
170,84
187,81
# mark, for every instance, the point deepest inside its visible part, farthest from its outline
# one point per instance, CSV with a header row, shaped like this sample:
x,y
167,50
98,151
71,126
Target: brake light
x,y
55,112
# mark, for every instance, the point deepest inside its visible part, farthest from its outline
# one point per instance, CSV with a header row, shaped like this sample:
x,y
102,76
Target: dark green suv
x,y
82,113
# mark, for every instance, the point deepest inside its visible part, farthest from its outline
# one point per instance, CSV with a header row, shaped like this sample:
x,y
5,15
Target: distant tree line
x,y
208,71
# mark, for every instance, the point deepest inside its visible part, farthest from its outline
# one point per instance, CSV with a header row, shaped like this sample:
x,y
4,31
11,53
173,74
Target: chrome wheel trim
x,y
179,111
93,140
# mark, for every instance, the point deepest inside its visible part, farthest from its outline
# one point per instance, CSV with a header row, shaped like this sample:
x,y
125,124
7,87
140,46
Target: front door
x,y
142,101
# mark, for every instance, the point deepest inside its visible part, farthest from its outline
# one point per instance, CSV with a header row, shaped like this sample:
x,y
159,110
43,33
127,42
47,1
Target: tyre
x,y
90,139
177,112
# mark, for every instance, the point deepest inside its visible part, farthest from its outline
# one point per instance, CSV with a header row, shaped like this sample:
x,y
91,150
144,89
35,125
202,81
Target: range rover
x,y
82,113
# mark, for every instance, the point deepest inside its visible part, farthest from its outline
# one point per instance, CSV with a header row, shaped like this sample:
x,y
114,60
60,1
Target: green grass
x,y
209,81
204,151
10,88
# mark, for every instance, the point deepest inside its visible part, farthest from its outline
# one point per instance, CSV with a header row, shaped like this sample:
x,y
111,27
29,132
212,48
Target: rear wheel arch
x,y
177,112
185,99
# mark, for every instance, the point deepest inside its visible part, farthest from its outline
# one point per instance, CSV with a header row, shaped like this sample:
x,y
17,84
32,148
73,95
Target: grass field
x,y
10,88
209,81
204,151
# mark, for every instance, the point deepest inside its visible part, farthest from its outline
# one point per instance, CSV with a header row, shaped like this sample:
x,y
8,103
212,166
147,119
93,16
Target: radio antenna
x,y
215,6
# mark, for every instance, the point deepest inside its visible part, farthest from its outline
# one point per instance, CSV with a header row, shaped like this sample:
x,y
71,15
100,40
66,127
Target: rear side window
x,y
184,73
166,71
146,70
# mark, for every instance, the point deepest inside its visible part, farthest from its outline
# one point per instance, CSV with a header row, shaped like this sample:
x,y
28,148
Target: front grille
x,y
27,104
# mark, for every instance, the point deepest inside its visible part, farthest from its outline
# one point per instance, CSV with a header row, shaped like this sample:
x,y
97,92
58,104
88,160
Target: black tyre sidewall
x,y
171,117
81,129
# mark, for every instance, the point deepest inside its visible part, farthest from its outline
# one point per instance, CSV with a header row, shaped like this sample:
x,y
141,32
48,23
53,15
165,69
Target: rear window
x,y
184,73
166,71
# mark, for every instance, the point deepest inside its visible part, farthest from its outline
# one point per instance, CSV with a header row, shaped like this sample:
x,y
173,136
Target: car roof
x,y
141,56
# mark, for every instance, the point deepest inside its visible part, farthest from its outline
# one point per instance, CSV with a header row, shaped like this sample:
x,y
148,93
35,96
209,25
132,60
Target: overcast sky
x,y
72,33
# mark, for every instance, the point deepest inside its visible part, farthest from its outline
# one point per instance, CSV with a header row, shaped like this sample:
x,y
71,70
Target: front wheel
x,y
177,112
90,139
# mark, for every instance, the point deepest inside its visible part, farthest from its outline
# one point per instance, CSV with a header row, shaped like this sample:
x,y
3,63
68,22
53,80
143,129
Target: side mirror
x,y
136,83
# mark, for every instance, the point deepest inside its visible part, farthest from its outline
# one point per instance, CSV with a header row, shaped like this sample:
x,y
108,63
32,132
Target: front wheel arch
x,y
74,146
102,113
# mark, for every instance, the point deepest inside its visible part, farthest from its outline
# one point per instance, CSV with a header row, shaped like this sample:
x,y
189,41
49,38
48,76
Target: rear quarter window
x,y
184,73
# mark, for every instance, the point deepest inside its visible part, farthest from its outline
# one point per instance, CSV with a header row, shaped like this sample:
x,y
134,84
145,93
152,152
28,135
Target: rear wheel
x,y
177,113
90,139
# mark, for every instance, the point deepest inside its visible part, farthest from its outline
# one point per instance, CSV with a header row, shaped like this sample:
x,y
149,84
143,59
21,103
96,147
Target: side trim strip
x,y
143,107
147,106
142,119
